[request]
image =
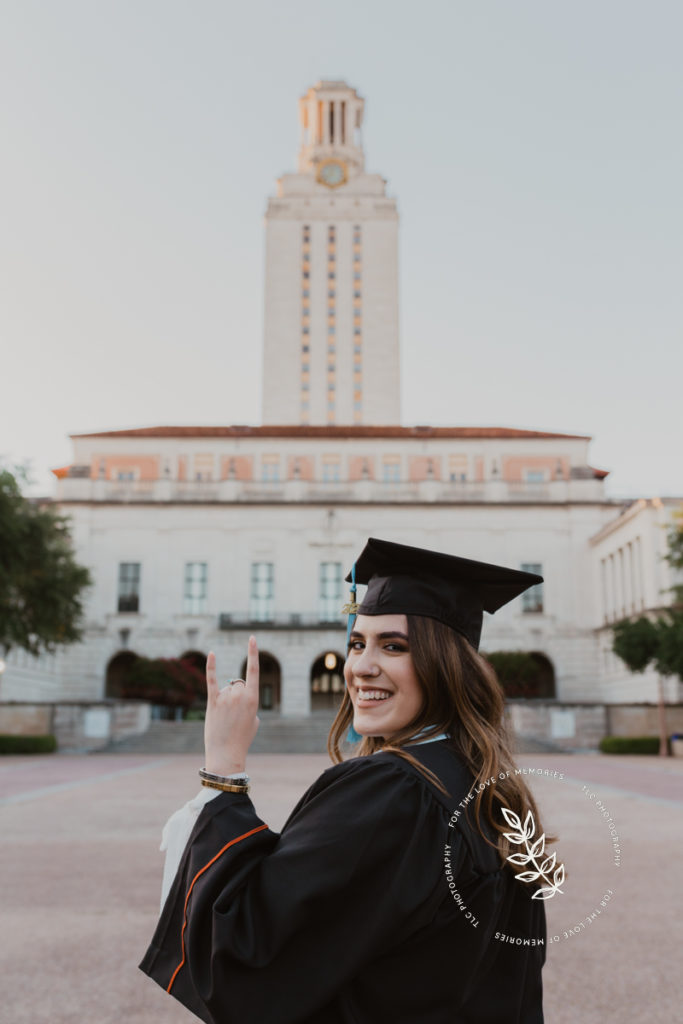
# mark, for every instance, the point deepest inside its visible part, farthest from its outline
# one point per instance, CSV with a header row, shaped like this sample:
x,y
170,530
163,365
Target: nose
x,y
365,665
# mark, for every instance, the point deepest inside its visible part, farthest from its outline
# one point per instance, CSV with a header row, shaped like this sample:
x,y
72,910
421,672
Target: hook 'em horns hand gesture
x,y
231,720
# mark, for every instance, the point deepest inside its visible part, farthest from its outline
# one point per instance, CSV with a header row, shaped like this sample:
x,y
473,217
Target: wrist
x,y
225,766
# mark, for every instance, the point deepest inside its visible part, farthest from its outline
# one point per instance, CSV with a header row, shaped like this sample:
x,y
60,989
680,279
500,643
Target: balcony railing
x,y
281,621
78,489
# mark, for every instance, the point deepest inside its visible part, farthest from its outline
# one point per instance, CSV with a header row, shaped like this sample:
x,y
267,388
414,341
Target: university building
x,y
197,537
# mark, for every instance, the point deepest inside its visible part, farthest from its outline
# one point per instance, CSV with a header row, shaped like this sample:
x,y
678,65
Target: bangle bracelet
x,y
238,779
225,787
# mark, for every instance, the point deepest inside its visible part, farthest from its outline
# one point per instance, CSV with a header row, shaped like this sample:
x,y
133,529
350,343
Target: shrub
x,y
518,672
630,745
195,715
27,744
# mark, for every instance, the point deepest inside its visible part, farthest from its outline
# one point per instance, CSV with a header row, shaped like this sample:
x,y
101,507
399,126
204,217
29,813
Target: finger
x,y
252,665
211,681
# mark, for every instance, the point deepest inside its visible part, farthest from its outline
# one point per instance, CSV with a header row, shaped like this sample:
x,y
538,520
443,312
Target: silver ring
x,y
231,682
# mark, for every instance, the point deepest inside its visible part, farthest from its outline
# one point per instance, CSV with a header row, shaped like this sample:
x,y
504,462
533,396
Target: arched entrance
x,y
545,680
523,674
270,675
117,674
327,681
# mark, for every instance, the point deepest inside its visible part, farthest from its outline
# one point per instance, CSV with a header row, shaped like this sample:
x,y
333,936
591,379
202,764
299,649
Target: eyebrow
x,y
382,636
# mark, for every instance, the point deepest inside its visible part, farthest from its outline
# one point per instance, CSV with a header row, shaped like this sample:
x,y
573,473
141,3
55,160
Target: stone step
x,y
276,735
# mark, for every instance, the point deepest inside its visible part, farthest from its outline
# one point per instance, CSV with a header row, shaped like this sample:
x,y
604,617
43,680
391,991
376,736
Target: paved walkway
x,y
80,874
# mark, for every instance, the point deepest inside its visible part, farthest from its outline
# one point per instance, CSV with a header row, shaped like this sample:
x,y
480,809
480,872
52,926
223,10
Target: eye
x,y
356,645
394,646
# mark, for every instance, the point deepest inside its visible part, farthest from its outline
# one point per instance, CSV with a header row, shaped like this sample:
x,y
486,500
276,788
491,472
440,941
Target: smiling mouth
x,y
371,697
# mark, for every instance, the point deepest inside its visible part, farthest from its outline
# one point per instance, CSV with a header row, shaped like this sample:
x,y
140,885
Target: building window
x,y
195,588
125,475
534,476
270,468
262,596
391,471
532,599
330,591
331,472
129,587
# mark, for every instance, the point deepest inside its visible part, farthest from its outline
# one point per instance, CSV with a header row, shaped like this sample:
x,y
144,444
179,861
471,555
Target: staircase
x,y
276,735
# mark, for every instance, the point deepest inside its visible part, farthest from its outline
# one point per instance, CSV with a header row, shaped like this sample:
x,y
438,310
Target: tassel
x,y
352,736
351,609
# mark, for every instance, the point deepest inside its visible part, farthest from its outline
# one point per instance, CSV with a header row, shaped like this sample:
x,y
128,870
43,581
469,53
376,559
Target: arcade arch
x,y
327,680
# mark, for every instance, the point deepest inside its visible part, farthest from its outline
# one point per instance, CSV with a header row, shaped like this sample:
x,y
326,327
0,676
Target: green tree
x,y
636,642
675,554
41,584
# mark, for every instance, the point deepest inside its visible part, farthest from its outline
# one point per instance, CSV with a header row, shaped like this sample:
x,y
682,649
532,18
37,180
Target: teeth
x,y
373,695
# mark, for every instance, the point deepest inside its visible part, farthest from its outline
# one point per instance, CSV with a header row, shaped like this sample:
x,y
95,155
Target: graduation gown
x,y
349,915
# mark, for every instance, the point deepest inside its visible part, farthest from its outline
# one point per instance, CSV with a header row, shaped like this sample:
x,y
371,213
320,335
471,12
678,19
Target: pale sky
x,y
534,147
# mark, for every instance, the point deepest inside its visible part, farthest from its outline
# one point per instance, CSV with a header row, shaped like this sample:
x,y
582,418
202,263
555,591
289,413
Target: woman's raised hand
x,y
231,720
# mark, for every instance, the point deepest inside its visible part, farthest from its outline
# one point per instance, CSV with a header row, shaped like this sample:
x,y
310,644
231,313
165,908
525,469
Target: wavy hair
x,y
462,697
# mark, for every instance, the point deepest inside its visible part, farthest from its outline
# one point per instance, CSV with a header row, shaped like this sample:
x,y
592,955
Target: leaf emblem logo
x,y
533,856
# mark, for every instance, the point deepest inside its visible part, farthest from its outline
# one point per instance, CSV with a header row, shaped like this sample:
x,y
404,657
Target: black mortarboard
x,y
403,580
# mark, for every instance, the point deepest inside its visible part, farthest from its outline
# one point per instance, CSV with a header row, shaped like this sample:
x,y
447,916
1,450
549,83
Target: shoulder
x,y
368,785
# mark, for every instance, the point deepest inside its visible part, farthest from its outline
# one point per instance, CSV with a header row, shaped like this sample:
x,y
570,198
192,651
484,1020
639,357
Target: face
x,y
380,675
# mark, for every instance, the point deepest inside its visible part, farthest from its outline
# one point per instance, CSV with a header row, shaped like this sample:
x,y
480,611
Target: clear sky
x,y
535,149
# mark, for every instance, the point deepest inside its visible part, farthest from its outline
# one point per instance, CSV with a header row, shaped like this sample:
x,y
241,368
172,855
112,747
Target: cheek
x,y
413,693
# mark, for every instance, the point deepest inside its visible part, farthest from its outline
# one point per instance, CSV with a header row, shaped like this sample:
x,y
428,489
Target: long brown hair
x,y
462,697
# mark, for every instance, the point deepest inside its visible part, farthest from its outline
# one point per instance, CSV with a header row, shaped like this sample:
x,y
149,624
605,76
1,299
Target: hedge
x,y
27,744
630,745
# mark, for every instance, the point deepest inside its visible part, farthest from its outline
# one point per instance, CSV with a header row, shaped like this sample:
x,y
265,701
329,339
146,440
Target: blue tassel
x,y
352,736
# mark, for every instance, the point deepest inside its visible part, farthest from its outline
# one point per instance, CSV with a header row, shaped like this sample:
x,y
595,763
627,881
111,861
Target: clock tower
x,y
331,352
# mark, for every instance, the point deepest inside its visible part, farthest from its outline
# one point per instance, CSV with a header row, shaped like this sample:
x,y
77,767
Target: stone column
x,y
326,122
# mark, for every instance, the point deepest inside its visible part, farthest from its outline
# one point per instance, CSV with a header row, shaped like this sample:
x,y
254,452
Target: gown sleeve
x,y
176,833
265,927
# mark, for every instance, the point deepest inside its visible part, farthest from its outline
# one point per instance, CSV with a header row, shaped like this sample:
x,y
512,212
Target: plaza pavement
x,y
80,873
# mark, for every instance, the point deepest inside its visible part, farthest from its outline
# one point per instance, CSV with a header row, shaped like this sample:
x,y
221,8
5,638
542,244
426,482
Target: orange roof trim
x,y
349,431
62,472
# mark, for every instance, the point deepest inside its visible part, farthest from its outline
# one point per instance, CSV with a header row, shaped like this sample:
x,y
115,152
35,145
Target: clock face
x,y
332,173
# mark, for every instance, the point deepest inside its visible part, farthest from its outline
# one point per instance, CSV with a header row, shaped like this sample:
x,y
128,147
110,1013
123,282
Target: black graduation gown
x,y
349,916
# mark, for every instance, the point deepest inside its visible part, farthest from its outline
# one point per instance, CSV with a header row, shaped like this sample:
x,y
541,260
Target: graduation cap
x,y
404,580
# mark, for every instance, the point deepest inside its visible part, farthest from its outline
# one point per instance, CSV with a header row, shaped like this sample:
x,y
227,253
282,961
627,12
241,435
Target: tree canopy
x,y
41,584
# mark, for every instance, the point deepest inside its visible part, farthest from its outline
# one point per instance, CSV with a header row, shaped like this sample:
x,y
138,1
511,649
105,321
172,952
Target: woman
x,y
388,895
